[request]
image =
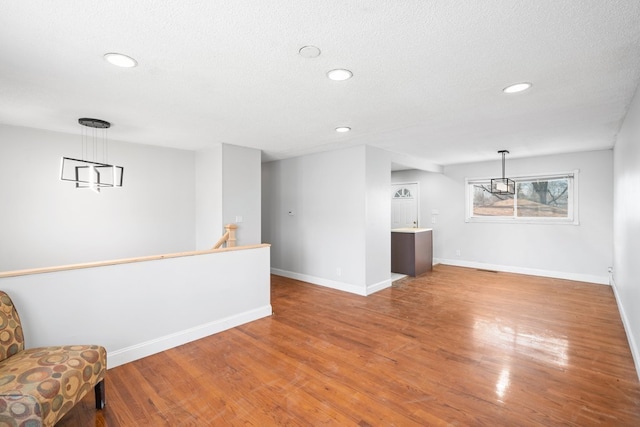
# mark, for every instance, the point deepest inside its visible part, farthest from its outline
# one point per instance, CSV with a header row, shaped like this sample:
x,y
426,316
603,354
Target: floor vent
x,y
487,271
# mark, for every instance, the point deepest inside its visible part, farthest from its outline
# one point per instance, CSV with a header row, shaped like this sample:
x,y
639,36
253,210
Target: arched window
x,y
403,193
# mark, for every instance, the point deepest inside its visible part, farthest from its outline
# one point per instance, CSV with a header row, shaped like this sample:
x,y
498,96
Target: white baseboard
x,y
633,345
157,345
372,289
341,286
600,280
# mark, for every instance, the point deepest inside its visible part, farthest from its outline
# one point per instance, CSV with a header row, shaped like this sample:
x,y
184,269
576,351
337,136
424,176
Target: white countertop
x,y
410,230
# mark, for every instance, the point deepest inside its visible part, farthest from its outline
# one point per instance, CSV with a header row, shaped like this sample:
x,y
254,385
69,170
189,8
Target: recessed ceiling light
x,y
120,60
309,52
339,74
343,129
518,87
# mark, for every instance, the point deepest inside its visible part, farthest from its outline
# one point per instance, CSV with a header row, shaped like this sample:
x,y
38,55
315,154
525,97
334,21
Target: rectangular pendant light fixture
x,y
503,185
93,175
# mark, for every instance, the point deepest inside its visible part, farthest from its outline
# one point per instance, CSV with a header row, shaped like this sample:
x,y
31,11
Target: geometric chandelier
x,y
503,185
93,174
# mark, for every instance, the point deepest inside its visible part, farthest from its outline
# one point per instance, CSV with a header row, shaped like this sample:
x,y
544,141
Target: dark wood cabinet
x,y
411,251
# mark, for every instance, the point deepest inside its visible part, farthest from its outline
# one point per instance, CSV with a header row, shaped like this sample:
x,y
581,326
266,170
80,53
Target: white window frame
x,y
572,202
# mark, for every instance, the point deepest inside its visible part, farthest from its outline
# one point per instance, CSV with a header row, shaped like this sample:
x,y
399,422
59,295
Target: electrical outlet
x,y
457,252
238,218
338,271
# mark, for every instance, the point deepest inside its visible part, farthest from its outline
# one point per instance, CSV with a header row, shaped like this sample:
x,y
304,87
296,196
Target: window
x,y
544,199
403,193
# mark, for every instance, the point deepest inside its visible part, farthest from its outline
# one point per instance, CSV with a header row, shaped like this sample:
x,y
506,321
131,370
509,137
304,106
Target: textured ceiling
x,y
428,75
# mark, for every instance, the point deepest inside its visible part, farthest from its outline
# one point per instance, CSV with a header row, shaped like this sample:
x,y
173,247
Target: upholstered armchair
x,y
39,386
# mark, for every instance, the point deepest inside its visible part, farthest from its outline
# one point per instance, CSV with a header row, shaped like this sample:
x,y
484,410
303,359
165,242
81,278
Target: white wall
x,y
209,223
378,218
142,308
241,195
626,229
47,222
580,252
322,219
171,201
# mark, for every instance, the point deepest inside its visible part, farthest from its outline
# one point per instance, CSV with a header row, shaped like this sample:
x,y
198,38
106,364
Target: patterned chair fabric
x,y
11,339
39,386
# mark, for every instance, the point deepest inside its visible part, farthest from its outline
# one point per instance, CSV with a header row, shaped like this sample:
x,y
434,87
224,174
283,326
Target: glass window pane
x,y
543,198
487,204
403,193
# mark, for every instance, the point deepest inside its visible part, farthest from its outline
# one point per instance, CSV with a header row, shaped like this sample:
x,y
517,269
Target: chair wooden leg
x,y
99,389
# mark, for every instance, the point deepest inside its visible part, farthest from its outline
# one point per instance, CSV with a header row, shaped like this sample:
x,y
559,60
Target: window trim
x,y
572,205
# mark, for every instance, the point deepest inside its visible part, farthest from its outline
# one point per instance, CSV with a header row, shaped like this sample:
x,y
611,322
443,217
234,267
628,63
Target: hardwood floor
x,y
455,347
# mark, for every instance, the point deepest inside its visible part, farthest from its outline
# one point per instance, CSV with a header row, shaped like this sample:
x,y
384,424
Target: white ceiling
x,y
428,75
